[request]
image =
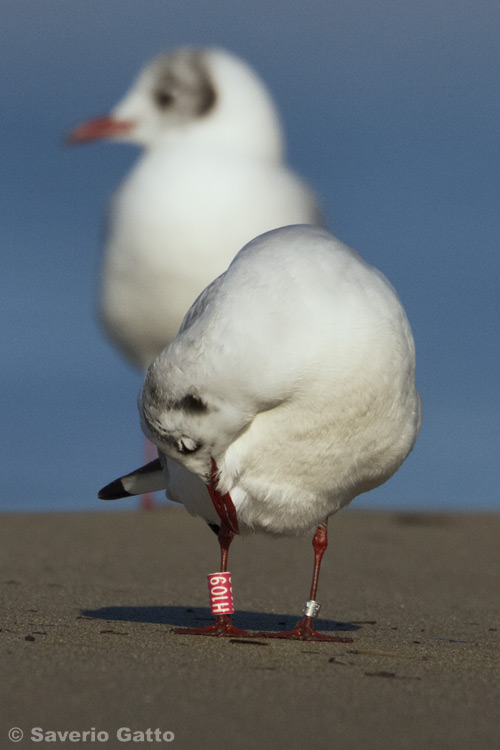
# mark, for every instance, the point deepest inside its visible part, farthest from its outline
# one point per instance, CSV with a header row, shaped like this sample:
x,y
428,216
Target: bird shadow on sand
x,y
200,616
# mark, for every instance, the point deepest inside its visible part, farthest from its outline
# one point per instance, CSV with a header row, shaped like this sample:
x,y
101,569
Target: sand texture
x,y
88,600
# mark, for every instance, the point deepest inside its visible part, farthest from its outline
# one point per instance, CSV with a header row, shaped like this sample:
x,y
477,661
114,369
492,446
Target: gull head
x,y
185,423
206,95
172,92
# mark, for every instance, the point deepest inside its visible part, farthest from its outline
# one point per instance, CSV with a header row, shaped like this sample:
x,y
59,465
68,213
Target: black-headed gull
x,y
288,391
212,176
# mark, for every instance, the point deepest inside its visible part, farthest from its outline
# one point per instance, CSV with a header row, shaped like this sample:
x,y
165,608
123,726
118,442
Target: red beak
x,y
101,127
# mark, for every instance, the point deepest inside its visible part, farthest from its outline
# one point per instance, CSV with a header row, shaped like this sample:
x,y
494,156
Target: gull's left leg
x,y
304,629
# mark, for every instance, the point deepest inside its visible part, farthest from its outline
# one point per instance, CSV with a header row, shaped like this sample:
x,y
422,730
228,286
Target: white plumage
x,y
289,390
294,371
211,177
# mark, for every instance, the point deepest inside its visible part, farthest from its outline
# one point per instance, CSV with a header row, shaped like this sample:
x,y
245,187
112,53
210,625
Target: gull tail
x,y
149,478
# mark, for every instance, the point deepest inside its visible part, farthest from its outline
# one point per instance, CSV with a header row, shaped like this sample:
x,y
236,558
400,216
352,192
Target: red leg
x,y
223,625
225,537
223,503
304,629
147,501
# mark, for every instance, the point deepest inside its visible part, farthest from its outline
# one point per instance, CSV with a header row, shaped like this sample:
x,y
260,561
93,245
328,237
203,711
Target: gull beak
x,y
98,128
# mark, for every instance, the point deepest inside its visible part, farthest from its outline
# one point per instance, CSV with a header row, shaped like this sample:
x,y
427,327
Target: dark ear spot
x,y
207,97
191,404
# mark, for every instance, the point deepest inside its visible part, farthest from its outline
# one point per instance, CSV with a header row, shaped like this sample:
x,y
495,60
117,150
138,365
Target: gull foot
x,y
304,631
222,628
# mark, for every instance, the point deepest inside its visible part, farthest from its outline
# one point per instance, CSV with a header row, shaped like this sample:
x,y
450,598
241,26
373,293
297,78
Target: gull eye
x,y
187,445
163,99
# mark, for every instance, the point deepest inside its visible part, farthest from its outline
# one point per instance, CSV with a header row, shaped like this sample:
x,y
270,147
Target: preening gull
x,y
288,391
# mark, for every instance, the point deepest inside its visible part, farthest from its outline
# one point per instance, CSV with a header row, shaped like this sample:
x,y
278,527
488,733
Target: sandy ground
x,y
86,644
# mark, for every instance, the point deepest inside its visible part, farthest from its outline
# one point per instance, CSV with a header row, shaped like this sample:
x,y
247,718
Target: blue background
x,y
392,113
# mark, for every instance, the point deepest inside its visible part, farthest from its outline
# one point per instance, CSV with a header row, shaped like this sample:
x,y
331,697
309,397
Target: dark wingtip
x,y
113,491
116,489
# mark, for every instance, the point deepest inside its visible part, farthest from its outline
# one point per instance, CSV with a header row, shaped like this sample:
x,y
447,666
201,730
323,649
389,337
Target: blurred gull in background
x,y
212,177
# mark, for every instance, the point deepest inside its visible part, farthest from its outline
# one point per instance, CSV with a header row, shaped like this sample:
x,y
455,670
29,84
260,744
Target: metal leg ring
x,y
311,608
